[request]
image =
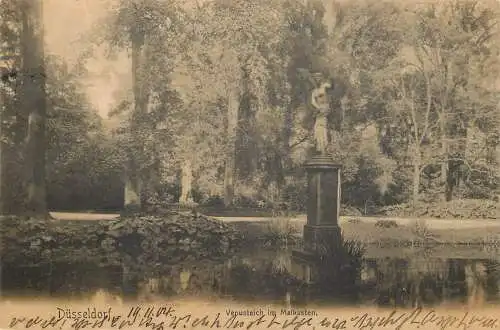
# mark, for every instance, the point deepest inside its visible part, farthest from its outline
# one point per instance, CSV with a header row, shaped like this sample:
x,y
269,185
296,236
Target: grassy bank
x,y
418,232
406,232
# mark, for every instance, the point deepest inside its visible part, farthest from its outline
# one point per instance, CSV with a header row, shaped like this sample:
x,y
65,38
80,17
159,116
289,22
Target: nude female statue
x,y
320,105
319,100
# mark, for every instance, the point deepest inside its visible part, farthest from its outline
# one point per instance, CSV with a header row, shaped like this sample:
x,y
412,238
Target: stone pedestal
x,y
315,235
323,210
323,206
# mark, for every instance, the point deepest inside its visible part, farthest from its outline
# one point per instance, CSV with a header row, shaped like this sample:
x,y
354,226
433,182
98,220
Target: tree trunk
x,y
186,182
461,156
233,105
2,154
285,154
134,178
444,155
287,129
497,171
416,176
3,106
34,99
133,188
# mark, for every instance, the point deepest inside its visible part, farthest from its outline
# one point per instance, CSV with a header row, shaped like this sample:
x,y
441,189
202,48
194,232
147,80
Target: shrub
x,y
386,224
346,210
456,209
280,230
421,230
354,220
141,239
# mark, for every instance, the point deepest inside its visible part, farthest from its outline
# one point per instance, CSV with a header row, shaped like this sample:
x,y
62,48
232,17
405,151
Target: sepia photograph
x,y
278,157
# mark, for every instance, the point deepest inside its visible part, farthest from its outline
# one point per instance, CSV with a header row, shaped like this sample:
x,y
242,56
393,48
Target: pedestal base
x,y
303,266
304,261
315,235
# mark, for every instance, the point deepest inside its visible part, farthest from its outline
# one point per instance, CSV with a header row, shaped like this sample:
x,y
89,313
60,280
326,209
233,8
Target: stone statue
x,y
321,107
320,102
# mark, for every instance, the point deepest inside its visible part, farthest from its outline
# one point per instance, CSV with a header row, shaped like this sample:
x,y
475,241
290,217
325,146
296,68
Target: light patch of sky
x,y
65,21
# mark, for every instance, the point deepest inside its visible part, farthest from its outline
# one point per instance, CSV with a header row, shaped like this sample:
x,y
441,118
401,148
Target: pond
x,y
407,277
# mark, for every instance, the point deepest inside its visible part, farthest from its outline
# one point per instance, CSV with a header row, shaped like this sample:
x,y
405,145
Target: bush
x,y
295,194
214,201
456,209
141,240
281,231
421,230
354,221
386,224
351,211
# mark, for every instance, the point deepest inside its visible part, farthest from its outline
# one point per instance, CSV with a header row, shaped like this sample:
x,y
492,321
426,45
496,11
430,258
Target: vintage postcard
x,y
274,164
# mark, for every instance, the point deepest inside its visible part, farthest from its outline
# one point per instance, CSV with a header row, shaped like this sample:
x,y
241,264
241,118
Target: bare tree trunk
x,y
2,154
232,124
34,99
2,110
444,155
461,155
287,131
418,136
133,189
416,176
186,182
285,153
496,158
134,178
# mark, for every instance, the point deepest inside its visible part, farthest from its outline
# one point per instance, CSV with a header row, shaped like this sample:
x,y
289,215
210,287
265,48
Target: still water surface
x,y
384,277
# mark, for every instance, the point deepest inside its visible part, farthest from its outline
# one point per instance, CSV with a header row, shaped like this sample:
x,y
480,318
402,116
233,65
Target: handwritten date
x,y
166,317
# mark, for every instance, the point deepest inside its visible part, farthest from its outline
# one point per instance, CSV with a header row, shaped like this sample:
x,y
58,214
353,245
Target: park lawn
x,y
370,232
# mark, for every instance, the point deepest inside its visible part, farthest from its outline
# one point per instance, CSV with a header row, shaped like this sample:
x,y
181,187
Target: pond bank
x,y
147,239
177,236
383,231
436,223
370,230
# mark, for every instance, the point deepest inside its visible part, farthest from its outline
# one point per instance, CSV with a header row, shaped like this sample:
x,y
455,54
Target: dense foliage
x,y
411,120
457,209
216,109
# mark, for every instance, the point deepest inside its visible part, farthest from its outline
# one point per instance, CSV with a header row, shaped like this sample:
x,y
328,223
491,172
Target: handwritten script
x,y
166,317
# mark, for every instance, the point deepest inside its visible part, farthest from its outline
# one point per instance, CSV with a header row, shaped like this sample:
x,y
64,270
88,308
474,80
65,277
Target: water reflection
x,y
419,279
